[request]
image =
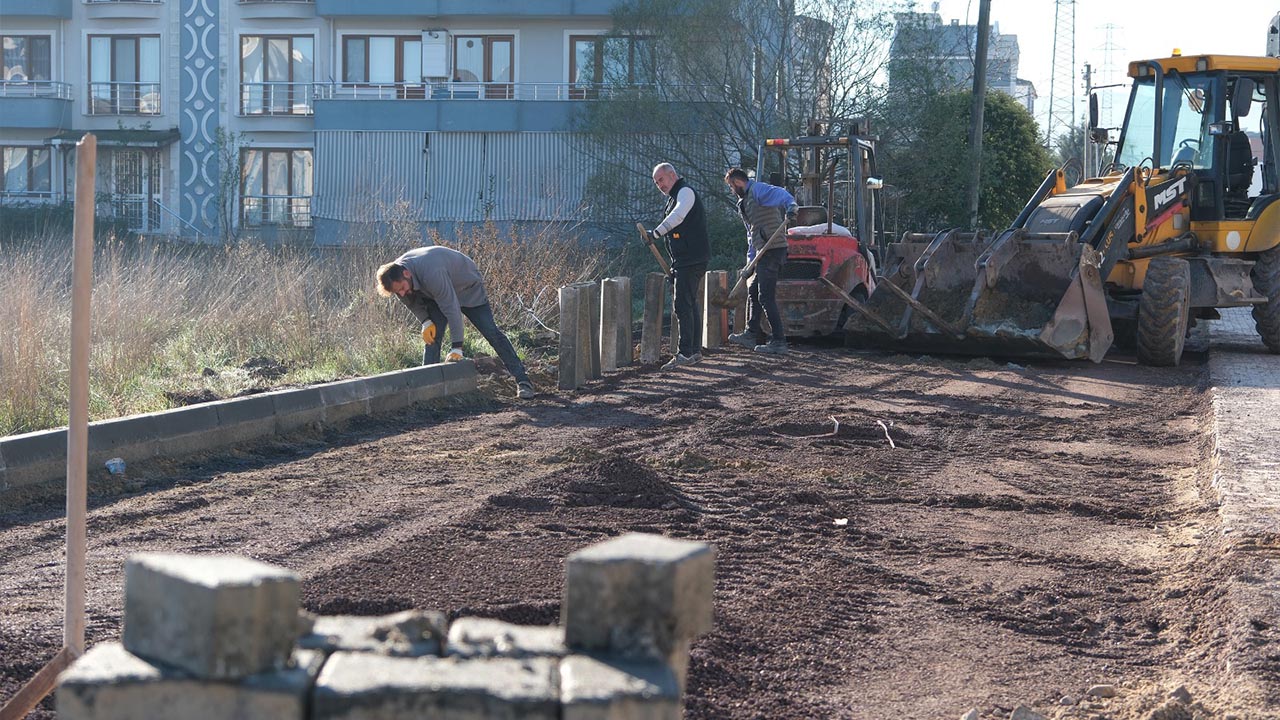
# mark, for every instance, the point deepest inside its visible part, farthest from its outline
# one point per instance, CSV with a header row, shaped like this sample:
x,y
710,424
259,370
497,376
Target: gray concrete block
x,y
365,686
110,683
425,382
484,637
655,287
186,430
344,400
603,688
216,616
245,418
569,357
461,370
33,447
412,633
110,436
297,408
638,595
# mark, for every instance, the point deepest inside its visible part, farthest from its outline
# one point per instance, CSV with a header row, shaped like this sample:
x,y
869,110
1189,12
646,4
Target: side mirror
x,y
1222,128
1242,96
1093,113
875,183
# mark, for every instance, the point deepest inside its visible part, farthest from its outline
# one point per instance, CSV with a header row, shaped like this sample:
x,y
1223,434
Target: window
x,y
124,75
276,188
26,58
26,170
485,59
604,61
276,74
389,60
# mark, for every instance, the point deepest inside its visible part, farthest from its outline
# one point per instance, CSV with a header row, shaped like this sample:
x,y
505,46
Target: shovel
x,y
734,296
662,263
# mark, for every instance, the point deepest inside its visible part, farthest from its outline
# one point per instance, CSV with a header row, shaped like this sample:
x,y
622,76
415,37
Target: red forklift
x,y
832,173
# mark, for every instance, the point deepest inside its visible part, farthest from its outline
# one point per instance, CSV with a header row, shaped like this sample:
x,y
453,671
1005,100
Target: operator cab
x,y
1217,117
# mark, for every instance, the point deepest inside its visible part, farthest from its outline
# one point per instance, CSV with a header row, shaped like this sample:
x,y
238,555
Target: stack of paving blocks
x,y
221,637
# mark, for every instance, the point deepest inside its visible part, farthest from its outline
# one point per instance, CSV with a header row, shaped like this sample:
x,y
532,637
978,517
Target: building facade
x,y
312,116
947,50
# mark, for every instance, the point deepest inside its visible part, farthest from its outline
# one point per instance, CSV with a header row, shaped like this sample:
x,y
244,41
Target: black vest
x,y
688,242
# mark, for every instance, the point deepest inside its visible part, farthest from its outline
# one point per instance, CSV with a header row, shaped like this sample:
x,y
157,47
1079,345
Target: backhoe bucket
x,y
1022,295
919,303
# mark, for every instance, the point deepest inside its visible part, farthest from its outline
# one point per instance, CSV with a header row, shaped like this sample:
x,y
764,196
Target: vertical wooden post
x,y
622,323
591,302
608,321
715,320
569,355
655,286
78,425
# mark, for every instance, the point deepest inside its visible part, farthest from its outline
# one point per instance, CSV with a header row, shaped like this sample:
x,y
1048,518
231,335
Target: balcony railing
x,y
108,2
278,210
275,98
36,89
124,98
504,91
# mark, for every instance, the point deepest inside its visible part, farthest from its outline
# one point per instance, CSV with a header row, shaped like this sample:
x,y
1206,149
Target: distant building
x,y
946,52
323,117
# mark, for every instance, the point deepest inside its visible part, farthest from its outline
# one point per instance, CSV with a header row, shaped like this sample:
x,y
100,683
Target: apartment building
x,y
323,117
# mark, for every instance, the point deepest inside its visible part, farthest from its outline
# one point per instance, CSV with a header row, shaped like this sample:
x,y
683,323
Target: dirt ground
x,y
1029,532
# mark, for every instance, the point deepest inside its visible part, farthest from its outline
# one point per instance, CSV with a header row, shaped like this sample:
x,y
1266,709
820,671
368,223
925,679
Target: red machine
x,y
830,249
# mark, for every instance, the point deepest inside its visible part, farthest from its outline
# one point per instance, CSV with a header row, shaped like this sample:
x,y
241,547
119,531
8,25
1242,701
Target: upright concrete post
x,y
569,354
591,295
609,300
622,323
655,286
715,321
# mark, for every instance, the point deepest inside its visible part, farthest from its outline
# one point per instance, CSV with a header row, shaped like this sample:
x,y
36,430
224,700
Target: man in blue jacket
x,y
685,228
764,208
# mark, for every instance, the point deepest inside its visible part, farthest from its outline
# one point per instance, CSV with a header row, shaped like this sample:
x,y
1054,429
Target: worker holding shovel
x,y
766,211
685,229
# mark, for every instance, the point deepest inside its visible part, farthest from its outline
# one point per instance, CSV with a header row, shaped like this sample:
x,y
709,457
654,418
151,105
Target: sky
x,y
1139,31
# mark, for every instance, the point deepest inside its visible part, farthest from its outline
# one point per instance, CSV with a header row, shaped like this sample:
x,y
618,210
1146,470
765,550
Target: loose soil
x,y
1031,531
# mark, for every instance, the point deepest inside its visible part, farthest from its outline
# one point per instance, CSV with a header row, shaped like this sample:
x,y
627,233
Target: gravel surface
x,y
1031,531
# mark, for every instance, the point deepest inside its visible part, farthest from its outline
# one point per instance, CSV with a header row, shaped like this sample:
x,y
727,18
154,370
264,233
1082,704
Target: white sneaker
x,y
679,360
525,391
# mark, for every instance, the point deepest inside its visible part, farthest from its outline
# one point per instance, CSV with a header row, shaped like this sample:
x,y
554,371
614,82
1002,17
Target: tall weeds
x,y
173,322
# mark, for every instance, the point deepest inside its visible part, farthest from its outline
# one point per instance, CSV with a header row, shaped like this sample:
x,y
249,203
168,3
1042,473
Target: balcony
x,y
124,98
285,211
276,8
39,8
35,104
124,9
481,107
271,99
461,8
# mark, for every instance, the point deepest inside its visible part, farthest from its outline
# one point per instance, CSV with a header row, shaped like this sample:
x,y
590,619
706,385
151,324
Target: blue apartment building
x,y
312,116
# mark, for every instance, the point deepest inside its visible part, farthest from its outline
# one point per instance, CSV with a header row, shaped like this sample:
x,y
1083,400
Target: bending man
x,y
439,285
685,228
764,208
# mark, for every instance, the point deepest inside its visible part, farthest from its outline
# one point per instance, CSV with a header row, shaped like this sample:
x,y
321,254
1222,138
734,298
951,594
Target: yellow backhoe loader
x,y
1184,220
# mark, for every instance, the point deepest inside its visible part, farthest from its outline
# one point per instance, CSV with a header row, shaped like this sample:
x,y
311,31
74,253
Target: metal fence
x,y
275,98
36,88
279,210
124,98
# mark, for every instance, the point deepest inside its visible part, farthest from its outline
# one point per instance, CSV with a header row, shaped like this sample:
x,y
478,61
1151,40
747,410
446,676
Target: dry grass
x,y
174,322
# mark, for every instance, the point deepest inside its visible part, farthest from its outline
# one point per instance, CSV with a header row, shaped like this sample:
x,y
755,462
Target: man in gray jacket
x,y
439,285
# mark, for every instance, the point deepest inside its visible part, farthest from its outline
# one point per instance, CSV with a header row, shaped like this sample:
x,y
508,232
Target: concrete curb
x,y
40,457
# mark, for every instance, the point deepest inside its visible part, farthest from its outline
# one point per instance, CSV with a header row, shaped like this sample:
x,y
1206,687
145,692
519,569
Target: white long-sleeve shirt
x,y
684,203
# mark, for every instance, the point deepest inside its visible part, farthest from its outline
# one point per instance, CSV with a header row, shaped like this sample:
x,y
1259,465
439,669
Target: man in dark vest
x,y
685,228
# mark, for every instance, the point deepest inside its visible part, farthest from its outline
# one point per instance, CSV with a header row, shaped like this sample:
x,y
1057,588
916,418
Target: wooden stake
x,y
40,685
78,426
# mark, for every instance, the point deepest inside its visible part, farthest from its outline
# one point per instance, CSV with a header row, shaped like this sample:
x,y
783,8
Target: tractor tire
x,y
1163,312
1266,280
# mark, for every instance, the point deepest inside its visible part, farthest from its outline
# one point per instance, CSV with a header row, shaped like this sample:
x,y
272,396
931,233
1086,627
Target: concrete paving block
x,y
110,683
297,408
216,616
425,382
459,377
604,688
484,637
638,595
365,686
570,346
412,633
186,430
33,447
246,418
111,436
344,400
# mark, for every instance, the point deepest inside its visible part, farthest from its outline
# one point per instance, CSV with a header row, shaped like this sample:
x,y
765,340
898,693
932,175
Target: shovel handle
x,y
662,263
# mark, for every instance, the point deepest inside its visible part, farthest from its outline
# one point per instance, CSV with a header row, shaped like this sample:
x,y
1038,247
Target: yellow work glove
x,y
429,332
454,355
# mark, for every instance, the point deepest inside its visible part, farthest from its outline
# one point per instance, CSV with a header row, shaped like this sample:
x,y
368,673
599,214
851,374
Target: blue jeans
x,y
482,317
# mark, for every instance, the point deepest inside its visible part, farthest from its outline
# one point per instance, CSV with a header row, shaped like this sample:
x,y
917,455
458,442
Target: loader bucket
x,y
919,302
1023,295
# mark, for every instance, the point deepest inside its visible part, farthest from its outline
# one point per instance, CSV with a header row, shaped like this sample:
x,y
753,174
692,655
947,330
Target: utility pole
x,y
1088,160
975,115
